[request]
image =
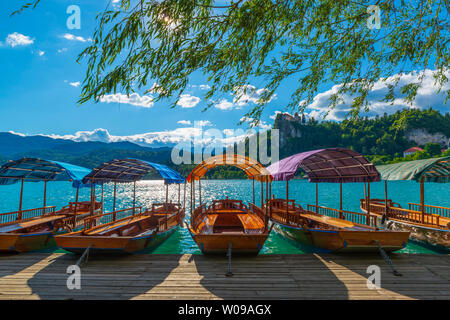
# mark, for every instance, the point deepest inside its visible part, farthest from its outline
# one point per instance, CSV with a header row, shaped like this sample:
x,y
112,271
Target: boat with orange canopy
x,y
427,223
330,229
132,229
33,229
229,224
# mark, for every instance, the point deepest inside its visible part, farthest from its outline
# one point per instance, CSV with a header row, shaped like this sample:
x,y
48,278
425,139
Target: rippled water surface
x,y
147,192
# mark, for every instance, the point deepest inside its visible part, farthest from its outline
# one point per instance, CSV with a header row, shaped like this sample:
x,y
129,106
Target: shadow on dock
x,y
102,277
325,276
161,276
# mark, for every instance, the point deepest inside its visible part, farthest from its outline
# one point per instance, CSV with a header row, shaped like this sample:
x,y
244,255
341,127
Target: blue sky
x,y
39,86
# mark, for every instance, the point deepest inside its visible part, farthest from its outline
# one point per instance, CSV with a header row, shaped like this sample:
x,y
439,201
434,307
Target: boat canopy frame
x,y
252,168
425,170
430,170
130,170
36,170
326,165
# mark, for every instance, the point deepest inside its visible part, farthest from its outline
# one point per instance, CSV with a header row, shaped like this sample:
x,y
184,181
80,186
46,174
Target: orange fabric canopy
x,y
252,168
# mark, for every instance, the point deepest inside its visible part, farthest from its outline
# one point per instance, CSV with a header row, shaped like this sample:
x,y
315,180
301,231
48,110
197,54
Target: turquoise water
x,y
147,192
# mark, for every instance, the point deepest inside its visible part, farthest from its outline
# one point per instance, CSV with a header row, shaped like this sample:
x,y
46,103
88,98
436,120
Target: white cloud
x,y
133,99
261,124
18,39
41,53
224,104
243,96
72,37
427,96
188,101
204,87
203,123
62,50
184,122
75,84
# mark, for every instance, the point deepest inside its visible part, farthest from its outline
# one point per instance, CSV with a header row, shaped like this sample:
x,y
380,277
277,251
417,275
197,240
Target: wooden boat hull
x,y
111,245
344,241
24,242
429,235
240,243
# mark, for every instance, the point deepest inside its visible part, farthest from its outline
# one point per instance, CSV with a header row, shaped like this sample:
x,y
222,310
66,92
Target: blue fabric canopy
x,y
129,170
33,169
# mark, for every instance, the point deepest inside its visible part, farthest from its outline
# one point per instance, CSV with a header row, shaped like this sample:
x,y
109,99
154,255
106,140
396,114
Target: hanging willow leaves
x,y
307,43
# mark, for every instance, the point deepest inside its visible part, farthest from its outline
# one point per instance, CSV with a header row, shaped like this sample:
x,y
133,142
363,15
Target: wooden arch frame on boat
x,y
133,229
427,223
32,229
229,224
327,228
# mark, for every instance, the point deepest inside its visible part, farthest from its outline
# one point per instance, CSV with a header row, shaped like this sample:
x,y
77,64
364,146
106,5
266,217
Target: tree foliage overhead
x,y
232,43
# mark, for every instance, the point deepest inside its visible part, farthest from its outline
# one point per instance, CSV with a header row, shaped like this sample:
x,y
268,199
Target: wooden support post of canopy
x,y
193,195
422,198
192,210
19,217
134,197
114,197
74,220
317,197
45,195
166,206
179,195
341,216
91,211
200,191
184,197
287,201
253,180
262,195
102,201
266,218
385,199
368,202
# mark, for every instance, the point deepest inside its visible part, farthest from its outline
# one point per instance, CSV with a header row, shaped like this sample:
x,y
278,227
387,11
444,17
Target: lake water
x,y
147,192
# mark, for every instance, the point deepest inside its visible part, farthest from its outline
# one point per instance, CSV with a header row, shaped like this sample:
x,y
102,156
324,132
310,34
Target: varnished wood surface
x,y
309,276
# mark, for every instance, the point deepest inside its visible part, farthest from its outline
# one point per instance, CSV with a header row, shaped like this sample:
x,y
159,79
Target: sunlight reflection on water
x,y
154,191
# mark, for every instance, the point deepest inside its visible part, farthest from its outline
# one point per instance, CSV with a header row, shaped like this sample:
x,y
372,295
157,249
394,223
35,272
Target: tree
x,y
433,148
300,41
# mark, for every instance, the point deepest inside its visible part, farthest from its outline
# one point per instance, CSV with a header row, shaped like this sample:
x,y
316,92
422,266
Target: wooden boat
x,y
430,228
135,232
325,230
427,223
331,230
33,229
127,230
229,224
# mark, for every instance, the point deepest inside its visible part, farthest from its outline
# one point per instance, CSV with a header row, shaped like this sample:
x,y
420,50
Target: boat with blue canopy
x,y
131,229
32,229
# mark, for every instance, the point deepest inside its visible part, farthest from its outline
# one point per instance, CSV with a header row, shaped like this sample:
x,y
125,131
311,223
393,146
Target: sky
x,y
41,83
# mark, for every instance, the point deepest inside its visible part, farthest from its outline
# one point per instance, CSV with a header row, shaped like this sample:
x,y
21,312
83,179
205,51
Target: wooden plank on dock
x,y
146,276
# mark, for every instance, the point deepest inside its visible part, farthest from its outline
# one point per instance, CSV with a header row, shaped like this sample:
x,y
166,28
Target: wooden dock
x,y
308,276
